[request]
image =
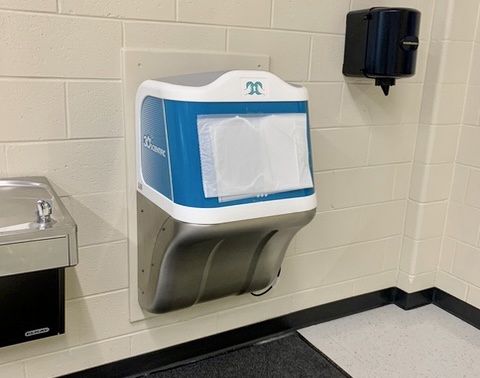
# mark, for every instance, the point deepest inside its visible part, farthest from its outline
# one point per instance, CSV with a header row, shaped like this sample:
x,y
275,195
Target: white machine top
x,y
230,86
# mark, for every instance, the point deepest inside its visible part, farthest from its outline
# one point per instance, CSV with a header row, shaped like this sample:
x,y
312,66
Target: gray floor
x,y
389,342
284,357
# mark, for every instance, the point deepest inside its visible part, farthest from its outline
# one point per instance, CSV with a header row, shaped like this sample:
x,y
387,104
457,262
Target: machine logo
x,y
37,332
148,144
255,88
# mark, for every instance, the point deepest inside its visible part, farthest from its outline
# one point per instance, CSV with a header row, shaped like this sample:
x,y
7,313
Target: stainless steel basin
x,y
36,230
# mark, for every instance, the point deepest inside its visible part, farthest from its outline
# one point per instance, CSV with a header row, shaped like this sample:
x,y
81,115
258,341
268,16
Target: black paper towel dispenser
x,y
381,44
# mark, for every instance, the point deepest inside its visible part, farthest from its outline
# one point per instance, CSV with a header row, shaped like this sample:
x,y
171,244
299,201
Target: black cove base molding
x,y
141,366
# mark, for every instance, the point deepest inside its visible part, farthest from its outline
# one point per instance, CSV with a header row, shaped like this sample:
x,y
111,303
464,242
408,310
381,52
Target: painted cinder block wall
x,y
460,258
448,69
62,117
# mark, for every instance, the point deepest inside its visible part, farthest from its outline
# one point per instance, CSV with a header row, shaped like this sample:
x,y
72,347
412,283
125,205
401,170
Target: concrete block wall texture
x,y
448,70
458,268
60,76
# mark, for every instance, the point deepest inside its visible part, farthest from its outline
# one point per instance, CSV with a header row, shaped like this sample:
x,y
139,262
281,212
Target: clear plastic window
x,y
245,156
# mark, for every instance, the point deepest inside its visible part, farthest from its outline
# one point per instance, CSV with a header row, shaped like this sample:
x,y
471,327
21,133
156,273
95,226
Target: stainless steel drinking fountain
x,y
38,239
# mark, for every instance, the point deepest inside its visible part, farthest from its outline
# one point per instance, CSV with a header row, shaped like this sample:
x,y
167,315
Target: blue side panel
x,y
181,119
154,147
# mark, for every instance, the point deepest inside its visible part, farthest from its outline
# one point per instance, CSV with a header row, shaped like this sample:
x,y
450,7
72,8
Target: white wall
x,y
460,259
60,81
449,54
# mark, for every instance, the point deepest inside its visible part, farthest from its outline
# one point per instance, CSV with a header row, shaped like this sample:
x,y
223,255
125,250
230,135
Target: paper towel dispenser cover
x,y
381,43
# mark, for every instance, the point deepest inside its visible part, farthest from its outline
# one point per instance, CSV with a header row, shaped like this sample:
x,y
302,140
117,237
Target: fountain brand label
x,y
35,332
148,144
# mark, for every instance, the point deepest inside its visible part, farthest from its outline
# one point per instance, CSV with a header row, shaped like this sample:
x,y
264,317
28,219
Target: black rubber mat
x,y
289,356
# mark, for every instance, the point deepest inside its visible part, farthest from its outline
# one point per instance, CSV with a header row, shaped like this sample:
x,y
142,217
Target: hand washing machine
x,y
224,182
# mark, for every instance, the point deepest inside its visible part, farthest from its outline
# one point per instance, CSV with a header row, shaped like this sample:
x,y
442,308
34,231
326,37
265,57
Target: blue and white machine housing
x,y
224,182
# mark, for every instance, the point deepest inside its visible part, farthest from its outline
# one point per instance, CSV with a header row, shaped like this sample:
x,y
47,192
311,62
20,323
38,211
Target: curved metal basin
x,y
33,237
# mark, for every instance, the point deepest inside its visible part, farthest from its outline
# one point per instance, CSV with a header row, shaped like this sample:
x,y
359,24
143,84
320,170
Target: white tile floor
x,y
389,342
